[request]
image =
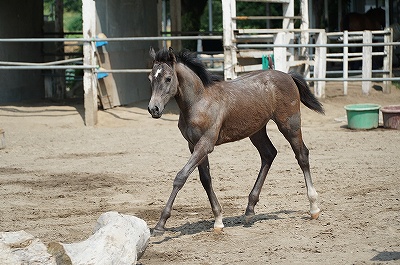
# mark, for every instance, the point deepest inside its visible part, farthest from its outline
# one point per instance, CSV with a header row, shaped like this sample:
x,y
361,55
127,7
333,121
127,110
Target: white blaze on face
x,y
157,72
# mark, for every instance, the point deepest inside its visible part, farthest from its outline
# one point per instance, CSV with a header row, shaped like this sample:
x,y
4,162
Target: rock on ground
x,y
23,248
117,239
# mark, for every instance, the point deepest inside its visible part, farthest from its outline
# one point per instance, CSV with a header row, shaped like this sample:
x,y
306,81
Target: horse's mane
x,y
190,60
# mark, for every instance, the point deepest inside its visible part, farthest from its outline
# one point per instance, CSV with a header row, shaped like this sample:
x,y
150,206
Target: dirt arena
x,y
57,176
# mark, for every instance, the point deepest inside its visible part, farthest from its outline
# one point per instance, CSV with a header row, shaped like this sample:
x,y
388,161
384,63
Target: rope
x,y
41,64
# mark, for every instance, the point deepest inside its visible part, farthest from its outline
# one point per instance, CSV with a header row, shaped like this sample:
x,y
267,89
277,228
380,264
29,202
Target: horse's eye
x,y
168,79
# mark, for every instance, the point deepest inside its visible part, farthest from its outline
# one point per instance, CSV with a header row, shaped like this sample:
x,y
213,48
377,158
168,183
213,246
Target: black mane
x,y
190,60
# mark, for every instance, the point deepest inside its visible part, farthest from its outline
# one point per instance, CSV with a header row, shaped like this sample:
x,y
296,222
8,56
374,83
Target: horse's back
x,y
251,100
261,88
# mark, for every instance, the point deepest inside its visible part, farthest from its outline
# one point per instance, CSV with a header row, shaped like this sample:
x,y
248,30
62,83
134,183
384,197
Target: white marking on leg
x,y
218,224
313,198
311,194
157,72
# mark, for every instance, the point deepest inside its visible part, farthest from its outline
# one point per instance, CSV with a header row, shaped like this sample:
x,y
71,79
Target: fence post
x,y
366,62
345,60
387,60
229,11
288,23
89,59
305,35
280,52
320,66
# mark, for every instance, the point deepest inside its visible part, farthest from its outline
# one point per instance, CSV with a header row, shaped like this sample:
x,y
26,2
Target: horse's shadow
x,y
386,256
207,225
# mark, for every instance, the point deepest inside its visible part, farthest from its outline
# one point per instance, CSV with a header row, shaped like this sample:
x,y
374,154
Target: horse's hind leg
x,y
267,153
291,129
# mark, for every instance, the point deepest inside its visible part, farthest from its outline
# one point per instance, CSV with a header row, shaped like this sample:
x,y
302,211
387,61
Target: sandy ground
x,y
57,176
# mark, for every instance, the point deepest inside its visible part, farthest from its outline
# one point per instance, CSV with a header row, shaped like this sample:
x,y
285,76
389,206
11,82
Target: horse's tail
x,y
306,97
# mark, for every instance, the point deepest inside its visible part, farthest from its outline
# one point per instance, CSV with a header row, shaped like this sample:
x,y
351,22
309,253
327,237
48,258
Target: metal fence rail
x,y
327,45
112,39
56,64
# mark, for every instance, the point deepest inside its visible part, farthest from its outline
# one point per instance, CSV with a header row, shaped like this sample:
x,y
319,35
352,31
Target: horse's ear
x,y
171,55
152,53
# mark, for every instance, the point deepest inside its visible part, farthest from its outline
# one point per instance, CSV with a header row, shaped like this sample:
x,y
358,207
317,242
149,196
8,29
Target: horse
x,y
214,112
373,19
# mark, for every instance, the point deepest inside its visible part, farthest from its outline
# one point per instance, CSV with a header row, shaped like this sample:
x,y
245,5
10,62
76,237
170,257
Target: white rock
x,y
23,248
117,239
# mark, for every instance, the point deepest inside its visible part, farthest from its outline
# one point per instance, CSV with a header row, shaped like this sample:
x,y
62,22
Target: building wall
x,y
129,18
21,20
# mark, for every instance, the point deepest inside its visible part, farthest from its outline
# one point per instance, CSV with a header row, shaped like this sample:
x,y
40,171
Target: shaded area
x,y
387,256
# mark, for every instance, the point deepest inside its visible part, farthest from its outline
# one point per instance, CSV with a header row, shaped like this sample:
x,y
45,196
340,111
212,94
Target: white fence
x,y
288,53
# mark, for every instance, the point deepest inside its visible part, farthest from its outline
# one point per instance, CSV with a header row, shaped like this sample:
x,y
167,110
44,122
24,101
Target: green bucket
x,y
362,116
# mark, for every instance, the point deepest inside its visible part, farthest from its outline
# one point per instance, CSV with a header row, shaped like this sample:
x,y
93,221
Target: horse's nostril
x,y
153,110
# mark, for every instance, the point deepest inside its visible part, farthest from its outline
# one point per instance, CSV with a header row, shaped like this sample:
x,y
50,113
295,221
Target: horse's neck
x,y
190,87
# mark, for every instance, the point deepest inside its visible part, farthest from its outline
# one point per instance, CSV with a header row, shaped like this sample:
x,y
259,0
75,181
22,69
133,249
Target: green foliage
x,y
69,6
72,14
74,6
72,22
48,8
217,17
257,9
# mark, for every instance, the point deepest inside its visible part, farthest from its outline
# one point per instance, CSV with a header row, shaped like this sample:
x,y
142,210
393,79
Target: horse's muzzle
x,y
155,112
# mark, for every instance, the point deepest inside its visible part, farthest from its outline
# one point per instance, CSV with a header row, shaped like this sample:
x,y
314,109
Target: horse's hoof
x,y
248,218
157,232
218,230
315,216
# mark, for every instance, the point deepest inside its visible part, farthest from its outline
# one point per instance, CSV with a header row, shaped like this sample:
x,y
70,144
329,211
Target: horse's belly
x,y
241,128
248,116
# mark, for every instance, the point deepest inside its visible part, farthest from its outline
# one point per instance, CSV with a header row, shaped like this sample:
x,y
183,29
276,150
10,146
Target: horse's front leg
x,y
201,149
205,178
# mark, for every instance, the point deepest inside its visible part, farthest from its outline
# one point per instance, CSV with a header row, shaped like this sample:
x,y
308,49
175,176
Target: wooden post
x,y
345,60
229,25
387,61
305,35
366,62
280,52
287,23
176,24
89,59
320,66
